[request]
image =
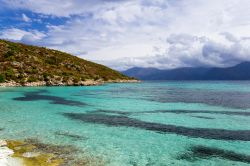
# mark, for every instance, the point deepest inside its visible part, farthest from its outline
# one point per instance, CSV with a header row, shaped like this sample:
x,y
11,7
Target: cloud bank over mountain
x,y
128,33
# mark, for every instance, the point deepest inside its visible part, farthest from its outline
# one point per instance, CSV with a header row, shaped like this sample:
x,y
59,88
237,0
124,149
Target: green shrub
x,y
9,74
96,78
51,61
65,79
34,71
8,54
2,78
32,79
13,47
76,80
83,78
65,74
46,77
22,81
105,78
20,76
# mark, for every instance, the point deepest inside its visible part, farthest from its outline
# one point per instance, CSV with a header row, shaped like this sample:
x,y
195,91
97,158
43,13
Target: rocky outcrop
x,y
69,83
6,156
34,153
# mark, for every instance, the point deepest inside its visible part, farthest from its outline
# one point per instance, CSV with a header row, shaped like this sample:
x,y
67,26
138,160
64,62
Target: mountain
x,y
22,64
238,72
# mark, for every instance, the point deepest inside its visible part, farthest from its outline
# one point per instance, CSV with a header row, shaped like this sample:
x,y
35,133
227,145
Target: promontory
x,y
26,65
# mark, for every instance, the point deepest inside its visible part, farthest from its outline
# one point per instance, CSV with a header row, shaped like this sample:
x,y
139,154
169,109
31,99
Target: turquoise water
x,y
142,124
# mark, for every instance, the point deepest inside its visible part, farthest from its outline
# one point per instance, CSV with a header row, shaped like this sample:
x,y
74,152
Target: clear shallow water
x,y
150,123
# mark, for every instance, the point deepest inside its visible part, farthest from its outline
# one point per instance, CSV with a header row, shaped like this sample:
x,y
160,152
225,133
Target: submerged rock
x,y
21,149
34,153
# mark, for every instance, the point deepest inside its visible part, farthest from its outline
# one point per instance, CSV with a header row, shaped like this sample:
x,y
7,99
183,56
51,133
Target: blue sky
x,y
129,33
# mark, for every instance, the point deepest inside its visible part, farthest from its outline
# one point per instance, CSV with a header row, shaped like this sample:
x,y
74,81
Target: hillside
x,y
238,72
22,64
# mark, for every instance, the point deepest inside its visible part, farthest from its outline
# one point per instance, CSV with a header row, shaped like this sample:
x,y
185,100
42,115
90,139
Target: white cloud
x,y
59,8
22,35
25,18
186,50
160,33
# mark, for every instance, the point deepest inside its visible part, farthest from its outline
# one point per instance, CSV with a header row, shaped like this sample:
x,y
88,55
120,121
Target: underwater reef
x,y
31,152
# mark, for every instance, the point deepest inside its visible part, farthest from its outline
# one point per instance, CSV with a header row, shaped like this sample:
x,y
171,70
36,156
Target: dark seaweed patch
x,y
117,121
238,113
202,117
72,136
178,93
112,112
231,99
203,152
34,96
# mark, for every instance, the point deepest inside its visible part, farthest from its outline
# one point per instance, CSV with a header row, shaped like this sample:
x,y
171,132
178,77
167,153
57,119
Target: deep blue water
x,y
144,124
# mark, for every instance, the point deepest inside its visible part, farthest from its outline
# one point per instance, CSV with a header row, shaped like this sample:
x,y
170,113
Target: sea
x,y
152,123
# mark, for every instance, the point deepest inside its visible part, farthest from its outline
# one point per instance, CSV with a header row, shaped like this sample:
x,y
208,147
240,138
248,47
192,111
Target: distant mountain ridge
x,y
237,72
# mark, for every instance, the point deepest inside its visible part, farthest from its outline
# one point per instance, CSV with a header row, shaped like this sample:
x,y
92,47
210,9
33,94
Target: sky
x,y
121,34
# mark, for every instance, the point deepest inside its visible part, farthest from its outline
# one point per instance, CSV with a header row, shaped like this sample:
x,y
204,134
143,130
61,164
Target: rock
x,y
6,158
3,143
40,83
10,84
5,152
16,64
89,82
30,154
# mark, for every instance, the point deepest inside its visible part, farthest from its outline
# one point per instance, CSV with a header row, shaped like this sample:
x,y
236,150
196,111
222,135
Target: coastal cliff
x,y
25,65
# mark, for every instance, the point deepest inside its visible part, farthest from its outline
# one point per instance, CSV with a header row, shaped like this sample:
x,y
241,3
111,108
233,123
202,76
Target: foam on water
x,y
150,123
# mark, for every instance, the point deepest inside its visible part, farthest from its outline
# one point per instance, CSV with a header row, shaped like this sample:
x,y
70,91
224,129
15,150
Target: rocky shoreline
x,y
34,153
81,83
6,156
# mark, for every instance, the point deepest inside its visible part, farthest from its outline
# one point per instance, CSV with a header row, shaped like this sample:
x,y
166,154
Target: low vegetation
x,y
22,63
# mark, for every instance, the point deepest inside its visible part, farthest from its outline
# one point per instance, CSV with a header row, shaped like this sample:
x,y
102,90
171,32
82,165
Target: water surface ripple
x,y
145,124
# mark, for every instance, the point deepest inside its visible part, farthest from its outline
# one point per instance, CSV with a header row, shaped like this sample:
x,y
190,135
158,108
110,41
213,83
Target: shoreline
x,y
6,156
82,83
33,153
22,153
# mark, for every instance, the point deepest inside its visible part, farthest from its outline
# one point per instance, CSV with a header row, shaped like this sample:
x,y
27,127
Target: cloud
x,y
15,34
128,33
185,50
25,18
59,8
